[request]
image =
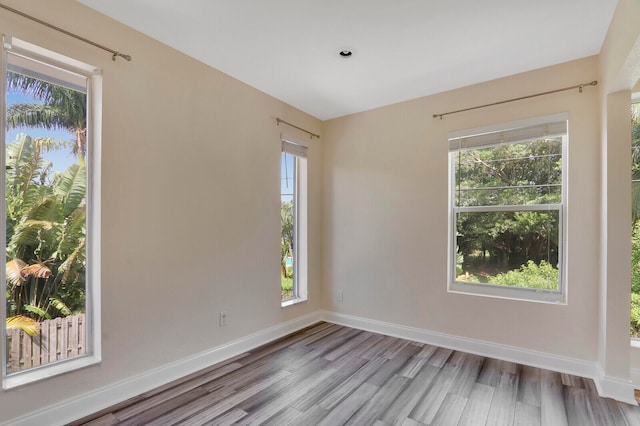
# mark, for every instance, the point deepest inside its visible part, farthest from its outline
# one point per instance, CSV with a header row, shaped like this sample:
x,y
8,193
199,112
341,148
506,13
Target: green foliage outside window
x,y
45,210
46,234
512,247
542,276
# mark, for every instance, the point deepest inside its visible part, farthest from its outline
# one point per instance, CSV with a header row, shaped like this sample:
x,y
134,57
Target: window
x,y
506,206
635,219
51,199
293,223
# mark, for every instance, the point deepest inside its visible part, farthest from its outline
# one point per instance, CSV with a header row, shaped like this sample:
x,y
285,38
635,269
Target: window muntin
x,y
293,223
52,214
506,210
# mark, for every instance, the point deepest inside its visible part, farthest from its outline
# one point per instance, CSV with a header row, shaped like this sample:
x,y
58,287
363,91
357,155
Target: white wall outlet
x,y
223,319
340,296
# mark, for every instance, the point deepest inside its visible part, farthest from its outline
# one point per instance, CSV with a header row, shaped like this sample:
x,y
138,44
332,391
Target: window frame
x,y
491,290
59,65
299,151
635,99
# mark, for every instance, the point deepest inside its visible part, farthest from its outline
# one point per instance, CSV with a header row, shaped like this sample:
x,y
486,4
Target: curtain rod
x,y
313,135
577,86
46,24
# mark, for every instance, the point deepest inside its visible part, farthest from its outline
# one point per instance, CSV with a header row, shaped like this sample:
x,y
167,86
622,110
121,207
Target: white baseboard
x,y
479,347
76,408
611,387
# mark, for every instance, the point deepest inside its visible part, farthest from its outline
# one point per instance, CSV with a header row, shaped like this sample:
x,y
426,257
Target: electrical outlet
x,y
223,319
340,296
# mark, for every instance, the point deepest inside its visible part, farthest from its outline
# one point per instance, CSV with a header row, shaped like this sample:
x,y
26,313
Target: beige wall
x,y
190,203
385,215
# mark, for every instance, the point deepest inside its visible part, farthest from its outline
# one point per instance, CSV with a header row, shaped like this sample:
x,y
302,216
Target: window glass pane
x,y
46,201
507,195
511,174
287,225
509,248
635,225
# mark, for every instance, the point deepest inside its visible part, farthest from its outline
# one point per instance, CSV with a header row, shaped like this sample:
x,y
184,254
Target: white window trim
x,y
502,292
93,75
299,149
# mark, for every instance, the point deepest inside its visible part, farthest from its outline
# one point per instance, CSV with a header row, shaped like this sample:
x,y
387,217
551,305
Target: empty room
x,y
454,186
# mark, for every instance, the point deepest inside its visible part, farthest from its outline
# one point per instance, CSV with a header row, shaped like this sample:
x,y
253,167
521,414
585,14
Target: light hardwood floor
x,y
333,375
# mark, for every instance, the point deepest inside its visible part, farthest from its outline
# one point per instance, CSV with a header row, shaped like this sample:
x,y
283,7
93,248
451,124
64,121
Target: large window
x,y
51,184
293,223
506,206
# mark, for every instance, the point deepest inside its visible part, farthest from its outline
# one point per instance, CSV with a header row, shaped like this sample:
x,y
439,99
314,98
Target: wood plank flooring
x,y
333,375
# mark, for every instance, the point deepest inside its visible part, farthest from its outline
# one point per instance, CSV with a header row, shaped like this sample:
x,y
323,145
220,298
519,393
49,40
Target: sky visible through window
x,y
61,158
287,163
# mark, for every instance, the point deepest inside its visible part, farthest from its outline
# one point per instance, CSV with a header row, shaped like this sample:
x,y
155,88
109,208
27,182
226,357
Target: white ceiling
x,y
402,49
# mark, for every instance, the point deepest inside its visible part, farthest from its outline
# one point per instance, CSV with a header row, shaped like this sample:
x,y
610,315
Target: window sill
x,y
35,374
294,301
509,293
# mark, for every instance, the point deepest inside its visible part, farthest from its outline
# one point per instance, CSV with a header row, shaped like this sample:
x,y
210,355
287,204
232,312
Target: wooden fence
x,y
59,338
